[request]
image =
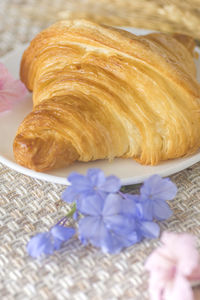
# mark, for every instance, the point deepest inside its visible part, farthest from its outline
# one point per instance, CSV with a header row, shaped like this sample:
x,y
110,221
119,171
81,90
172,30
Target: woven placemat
x,y
28,206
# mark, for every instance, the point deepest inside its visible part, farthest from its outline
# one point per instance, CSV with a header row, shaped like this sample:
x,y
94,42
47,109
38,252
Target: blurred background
x,y
170,16
20,21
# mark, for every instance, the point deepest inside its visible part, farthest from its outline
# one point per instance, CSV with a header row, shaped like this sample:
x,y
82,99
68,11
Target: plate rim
x,y
125,181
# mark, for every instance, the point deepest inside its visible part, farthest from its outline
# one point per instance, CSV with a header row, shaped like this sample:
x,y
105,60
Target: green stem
x,y
72,211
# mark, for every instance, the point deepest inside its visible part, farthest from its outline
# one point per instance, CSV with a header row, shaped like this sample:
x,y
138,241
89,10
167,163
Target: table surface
x,y
28,206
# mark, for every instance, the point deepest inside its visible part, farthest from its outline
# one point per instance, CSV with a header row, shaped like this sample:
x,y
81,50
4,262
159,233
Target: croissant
x,y
101,93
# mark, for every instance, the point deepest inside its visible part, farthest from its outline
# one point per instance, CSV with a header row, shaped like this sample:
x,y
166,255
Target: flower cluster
x,y
174,267
108,218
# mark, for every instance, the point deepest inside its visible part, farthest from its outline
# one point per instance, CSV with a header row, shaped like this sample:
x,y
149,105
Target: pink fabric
x,y
11,90
173,267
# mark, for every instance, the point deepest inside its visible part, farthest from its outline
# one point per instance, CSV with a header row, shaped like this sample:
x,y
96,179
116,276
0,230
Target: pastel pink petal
x,y
188,264
156,287
169,241
157,262
168,238
151,261
161,272
13,94
181,240
188,259
16,87
179,289
195,275
182,249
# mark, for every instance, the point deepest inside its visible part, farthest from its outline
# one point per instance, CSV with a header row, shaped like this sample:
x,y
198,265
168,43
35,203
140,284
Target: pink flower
x,y
174,267
11,90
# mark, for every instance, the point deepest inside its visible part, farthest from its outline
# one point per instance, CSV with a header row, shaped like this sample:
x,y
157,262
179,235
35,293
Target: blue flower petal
x,y
94,230
130,239
100,234
80,183
75,216
134,237
118,204
112,184
69,195
113,243
83,240
161,210
96,176
40,244
158,188
57,243
88,227
145,210
130,204
120,224
74,176
113,205
62,233
91,205
149,229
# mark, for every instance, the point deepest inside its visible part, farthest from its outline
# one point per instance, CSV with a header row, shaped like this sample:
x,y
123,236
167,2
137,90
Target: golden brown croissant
x,y
100,92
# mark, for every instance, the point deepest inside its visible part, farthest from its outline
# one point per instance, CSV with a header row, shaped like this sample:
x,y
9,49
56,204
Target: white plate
x,y
127,170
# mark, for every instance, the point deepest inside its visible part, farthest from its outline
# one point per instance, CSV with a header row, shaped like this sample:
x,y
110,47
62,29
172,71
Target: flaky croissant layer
x,y
100,92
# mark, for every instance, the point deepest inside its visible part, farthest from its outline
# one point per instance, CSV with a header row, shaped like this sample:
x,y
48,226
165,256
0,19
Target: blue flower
x,y
40,244
95,181
47,242
153,195
105,223
106,217
145,227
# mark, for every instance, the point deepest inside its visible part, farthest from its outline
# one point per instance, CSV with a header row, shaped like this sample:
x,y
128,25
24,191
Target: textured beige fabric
x,y
28,206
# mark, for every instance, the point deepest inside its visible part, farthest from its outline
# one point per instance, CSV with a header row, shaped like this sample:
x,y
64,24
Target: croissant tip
x,y
42,153
24,151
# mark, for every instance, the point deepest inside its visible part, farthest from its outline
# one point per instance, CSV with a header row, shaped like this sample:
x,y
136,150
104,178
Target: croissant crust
x,y
100,93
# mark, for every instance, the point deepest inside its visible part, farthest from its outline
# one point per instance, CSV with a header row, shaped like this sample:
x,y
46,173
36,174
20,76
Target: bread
x,y
101,93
